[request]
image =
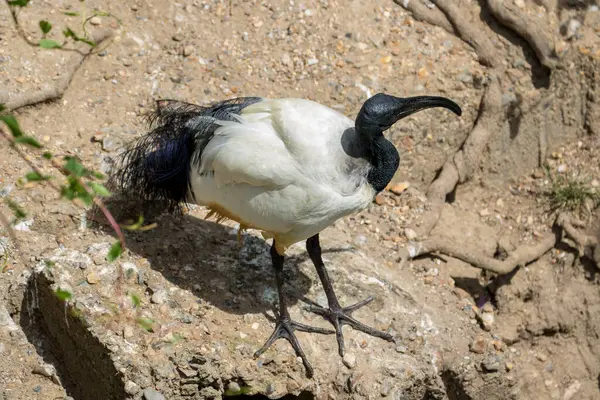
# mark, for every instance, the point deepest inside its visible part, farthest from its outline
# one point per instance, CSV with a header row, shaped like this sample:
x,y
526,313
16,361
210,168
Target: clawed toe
x,y
285,330
340,316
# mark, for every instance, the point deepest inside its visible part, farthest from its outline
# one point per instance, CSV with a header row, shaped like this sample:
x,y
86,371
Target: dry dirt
x,y
463,333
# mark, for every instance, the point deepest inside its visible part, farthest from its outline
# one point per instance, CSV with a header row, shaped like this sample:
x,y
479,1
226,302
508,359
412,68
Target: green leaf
x,y
47,155
135,300
75,190
18,3
69,33
45,26
15,208
99,189
34,176
63,295
28,140
98,175
71,13
115,251
49,44
146,323
12,124
73,166
2,107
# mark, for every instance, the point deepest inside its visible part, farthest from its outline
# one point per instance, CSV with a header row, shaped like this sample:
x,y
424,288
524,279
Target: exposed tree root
x,y
461,166
470,32
586,244
520,257
508,15
60,85
432,16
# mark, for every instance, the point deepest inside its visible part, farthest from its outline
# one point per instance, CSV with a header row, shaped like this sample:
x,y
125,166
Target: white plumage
x,y
271,171
287,167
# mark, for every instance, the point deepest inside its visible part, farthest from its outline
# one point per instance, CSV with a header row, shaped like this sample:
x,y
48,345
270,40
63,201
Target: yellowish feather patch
x,y
221,214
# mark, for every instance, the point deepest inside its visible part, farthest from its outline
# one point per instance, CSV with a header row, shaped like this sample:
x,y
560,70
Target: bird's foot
x,y
340,316
285,330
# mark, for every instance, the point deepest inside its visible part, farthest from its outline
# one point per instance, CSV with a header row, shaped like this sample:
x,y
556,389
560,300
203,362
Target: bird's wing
x,y
276,142
249,152
308,129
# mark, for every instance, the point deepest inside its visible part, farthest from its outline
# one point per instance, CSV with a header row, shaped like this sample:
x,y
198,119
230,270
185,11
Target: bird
x,y
287,167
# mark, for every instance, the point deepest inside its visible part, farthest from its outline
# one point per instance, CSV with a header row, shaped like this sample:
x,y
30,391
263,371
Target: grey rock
x,y
151,394
349,360
465,77
491,363
234,387
111,143
131,387
71,258
508,98
159,297
44,370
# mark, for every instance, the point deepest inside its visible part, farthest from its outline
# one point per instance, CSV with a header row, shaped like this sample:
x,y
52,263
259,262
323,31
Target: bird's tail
x,y
158,165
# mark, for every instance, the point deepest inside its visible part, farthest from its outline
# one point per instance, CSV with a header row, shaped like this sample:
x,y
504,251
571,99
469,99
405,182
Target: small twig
x,y
61,85
97,201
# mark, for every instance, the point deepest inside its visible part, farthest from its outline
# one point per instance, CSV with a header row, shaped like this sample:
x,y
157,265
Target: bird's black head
x,y
382,111
378,114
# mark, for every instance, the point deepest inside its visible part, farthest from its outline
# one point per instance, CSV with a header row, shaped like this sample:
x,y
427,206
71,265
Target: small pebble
x,y
478,345
127,62
255,326
128,332
401,349
131,387
159,297
349,360
96,20
497,345
487,320
410,234
188,50
491,363
509,366
233,387
398,188
178,37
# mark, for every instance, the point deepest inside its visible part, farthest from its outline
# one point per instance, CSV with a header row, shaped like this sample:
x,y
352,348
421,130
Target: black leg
x,y
336,314
285,326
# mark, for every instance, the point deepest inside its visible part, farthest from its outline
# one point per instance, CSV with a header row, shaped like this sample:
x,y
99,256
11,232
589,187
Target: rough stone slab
x,y
197,325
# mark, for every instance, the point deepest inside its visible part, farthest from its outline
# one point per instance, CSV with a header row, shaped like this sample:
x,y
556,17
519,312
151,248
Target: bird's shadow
x,y
205,258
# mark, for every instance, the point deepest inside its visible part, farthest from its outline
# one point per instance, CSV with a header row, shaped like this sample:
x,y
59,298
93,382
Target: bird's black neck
x,y
384,159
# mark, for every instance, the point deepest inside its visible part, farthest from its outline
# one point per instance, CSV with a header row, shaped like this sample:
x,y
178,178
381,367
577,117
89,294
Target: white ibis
x,y
287,167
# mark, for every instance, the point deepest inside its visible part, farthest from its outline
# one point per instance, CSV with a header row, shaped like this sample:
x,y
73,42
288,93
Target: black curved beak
x,y
410,105
382,111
